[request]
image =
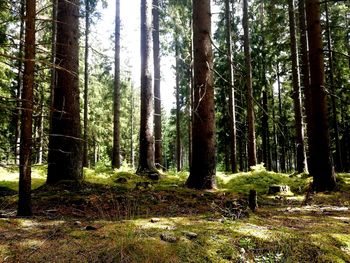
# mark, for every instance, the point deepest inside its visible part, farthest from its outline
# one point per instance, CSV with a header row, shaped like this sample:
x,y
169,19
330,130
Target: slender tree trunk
x,y
282,136
275,141
65,143
305,70
157,95
249,85
24,198
41,128
202,174
132,157
338,162
146,154
319,143
231,91
116,107
177,93
299,132
191,94
86,84
265,129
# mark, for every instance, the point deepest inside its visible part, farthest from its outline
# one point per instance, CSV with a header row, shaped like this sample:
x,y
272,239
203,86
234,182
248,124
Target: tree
x,y
249,86
231,91
157,99
146,154
86,83
116,121
321,165
202,173
65,144
24,198
296,91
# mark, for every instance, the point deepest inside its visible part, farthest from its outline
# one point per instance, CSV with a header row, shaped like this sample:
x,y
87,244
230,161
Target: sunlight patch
x,y
255,230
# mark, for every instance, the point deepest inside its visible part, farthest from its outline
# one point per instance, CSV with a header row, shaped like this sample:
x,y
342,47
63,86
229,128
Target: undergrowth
x,y
117,216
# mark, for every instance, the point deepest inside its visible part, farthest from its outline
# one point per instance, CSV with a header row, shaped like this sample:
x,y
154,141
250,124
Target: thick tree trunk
x,y
116,107
202,174
249,86
338,159
157,96
299,132
65,143
86,84
146,154
319,144
231,91
24,198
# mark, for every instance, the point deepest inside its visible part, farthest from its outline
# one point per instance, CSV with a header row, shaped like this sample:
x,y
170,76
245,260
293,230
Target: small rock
x,y
77,223
90,228
155,220
168,237
274,189
153,176
191,235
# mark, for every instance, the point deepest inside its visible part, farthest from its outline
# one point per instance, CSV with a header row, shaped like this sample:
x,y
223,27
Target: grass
x,y
121,212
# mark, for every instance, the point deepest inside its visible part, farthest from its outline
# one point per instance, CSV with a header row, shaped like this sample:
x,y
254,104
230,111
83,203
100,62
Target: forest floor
x,y
116,216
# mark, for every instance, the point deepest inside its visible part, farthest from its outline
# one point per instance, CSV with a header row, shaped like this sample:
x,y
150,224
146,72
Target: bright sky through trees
x,y
130,46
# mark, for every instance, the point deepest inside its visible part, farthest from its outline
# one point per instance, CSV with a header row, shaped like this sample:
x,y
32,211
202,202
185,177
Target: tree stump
x,y
253,200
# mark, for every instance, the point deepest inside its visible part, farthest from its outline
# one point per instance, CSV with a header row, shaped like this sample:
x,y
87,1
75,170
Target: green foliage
x,y
260,180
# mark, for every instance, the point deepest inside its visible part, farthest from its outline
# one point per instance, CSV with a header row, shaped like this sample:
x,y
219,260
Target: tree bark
x,y
65,143
249,86
157,96
24,193
86,84
116,107
282,136
177,95
146,154
319,143
299,132
231,91
202,173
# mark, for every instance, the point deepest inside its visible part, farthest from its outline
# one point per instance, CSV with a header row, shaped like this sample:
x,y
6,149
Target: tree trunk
x,y
319,144
202,173
299,132
146,154
132,157
338,159
157,96
65,144
249,85
177,95
86,84
116,107
24,190
305,73
191,89
231,91
282,136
